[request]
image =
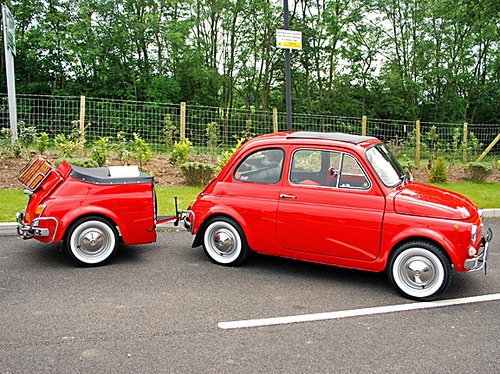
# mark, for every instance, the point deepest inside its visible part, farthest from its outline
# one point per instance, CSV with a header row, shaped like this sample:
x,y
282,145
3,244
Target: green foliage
x,y
212,136
100,151
17,149
121,148
42,142
181,151
226,155
432,142
474,146
141,150
77,161
26,134
70,145
438,172
170,131
197,173
477,172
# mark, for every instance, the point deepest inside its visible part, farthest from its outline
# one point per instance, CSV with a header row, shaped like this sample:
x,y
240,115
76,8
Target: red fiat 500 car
x,y
340,200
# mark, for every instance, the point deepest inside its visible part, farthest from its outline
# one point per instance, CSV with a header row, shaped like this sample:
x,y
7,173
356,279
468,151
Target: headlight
x,y
473,234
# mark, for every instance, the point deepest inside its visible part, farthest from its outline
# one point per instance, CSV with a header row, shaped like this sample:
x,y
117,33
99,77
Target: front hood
x,y
419,199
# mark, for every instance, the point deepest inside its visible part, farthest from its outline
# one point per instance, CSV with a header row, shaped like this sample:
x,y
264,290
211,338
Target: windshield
x,y
385,165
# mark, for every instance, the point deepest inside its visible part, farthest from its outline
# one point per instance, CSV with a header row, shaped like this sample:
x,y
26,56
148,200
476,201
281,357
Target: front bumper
x,y
25,231
479,262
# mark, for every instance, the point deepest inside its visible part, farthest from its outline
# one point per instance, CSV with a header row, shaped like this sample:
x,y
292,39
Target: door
x,y
329,206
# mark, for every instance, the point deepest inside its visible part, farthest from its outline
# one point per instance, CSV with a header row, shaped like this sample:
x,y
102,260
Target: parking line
x,y
354,312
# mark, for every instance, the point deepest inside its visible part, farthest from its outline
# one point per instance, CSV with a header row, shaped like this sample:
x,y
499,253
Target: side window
x,y
263,166
351,175
315,167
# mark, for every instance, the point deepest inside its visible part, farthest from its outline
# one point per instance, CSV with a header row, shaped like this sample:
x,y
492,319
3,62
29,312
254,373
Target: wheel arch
x,y
198,239
68,223
410,239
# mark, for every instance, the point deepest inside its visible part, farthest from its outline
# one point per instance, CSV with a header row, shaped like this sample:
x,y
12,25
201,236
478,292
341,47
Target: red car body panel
x,y
335,226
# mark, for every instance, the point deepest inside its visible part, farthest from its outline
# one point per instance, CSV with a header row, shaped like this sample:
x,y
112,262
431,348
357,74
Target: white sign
x,y
10,28
288,39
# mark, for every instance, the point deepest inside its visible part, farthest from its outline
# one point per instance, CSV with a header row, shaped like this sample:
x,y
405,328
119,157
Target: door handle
x,y
285,196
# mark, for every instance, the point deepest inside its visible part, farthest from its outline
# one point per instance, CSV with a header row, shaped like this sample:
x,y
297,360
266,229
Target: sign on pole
x,y
288,39
9,41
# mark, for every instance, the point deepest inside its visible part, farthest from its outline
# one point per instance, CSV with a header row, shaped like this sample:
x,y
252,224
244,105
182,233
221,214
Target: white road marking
x,y
354,312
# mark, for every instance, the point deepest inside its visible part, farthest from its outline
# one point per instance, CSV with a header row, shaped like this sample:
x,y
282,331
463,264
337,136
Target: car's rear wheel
x,y
91,241
224,242
419,270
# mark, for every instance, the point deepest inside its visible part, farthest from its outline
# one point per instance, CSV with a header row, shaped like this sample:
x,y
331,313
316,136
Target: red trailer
x,y
89,210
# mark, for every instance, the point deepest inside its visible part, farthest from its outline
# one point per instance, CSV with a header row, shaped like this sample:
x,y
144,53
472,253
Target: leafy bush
x,y
226,155
27,134
181,152
197,173
42,142
438,172
83,162
212,135
100,151
478,171
120,147
141,150
169,131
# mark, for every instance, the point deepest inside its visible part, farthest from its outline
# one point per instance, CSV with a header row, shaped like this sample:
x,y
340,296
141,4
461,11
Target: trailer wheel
x,y
91,241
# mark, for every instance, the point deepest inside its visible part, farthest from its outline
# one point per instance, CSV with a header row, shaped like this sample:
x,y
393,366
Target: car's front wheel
x,y
419,270
91,241
224,242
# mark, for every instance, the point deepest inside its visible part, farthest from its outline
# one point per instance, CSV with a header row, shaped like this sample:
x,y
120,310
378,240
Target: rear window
x,y
264,166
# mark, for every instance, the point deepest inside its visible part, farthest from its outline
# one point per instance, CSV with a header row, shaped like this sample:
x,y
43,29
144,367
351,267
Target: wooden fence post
x,y
182,129
82,123
464,144
275,119
364,121
490,147
417,143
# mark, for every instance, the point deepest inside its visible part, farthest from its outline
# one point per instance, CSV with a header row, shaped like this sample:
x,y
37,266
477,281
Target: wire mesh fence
x,y
160,125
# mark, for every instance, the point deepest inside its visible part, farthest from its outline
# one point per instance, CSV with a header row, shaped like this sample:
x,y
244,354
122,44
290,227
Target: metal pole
x,y
288,85
9,69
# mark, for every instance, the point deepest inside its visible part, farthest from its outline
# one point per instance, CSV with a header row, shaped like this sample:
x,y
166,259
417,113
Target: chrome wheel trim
x,y
92,242
418,272
222,242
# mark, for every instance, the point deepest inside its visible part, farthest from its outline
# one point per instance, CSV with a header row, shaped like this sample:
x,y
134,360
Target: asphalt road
x,y
156,307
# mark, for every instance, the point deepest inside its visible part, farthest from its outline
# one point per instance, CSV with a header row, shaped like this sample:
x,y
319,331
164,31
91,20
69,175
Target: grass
x,y
484,195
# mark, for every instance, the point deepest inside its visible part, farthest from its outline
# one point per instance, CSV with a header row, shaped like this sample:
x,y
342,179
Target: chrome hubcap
x,y
419,272
223,241
92,241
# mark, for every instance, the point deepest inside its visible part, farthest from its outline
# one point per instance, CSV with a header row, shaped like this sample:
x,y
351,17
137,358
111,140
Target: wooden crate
x,y
33,174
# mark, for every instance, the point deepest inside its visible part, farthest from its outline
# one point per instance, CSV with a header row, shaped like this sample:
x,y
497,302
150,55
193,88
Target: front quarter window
x,y
385,165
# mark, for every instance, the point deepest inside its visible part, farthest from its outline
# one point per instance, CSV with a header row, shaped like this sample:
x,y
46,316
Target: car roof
x,y
337,136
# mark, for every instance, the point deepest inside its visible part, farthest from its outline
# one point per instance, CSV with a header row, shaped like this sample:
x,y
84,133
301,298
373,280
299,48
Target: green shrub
x,y
197,173
478,171
26,134
42,142
83,162
100,151
141,150
226,155
212,136
438,172
181,152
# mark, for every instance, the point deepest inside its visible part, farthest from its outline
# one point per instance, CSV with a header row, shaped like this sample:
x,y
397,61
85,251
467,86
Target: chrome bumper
x,y
27,232
187,219
479,262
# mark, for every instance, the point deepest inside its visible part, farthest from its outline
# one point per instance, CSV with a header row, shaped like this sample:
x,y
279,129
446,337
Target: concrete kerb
x,y
9,228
